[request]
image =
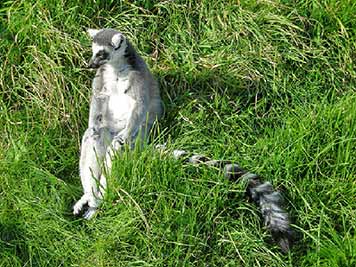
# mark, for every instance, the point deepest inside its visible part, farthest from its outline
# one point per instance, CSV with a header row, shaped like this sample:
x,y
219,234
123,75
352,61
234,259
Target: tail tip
x,y
284,239
285,244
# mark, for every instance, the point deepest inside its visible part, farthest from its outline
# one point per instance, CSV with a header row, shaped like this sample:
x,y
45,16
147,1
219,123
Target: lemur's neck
x,y
109,75
118,67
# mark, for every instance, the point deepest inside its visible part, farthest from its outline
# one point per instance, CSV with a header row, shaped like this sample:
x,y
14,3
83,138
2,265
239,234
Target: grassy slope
x,y
268,84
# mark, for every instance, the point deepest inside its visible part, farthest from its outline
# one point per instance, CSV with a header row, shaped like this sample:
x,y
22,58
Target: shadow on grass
x,y
179,89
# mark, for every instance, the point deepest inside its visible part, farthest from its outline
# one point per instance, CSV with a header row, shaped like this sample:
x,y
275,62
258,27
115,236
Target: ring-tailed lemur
x,y
124,105
270,202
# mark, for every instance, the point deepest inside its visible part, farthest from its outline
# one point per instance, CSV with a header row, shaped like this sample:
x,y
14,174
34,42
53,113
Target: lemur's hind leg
x,y
93,149
108,156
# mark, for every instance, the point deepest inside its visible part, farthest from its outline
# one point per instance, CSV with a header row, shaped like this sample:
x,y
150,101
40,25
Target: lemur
x,y
125,103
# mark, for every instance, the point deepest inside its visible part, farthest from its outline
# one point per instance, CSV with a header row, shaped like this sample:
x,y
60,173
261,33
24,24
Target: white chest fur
x,y
120,104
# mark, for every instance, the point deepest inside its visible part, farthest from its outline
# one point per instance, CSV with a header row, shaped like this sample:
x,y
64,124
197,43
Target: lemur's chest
x,y
119,103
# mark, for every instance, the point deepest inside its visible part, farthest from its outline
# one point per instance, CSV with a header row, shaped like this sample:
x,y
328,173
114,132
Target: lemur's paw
x,y
77,208
122,137
85,200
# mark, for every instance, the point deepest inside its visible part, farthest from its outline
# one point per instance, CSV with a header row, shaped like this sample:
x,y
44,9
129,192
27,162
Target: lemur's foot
x,y
86,200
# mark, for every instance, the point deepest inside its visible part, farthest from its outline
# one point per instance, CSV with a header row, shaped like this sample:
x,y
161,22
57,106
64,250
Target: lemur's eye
x,y
103,54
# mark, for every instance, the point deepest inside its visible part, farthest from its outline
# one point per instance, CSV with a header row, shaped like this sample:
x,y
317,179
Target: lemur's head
x,y
108,45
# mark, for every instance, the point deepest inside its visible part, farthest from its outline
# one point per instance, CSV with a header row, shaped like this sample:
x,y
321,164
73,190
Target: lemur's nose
x,y
93,65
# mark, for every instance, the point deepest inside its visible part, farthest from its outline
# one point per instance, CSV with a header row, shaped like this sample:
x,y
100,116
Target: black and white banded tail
x,y
275,218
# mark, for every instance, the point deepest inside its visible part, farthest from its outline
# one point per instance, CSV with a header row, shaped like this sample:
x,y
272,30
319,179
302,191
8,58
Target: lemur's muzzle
x,y
93,64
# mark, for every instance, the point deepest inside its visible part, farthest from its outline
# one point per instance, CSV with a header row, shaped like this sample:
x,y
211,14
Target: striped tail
x,y
270,202
275,218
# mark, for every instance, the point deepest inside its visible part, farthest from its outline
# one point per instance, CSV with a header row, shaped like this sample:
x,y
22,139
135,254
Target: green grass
x,y
268,84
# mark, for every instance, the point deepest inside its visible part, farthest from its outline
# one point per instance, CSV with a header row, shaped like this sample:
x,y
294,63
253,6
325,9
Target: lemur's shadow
x,y
178,89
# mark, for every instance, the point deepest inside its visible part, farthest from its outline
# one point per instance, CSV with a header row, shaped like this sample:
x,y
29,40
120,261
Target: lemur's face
x,y
108,45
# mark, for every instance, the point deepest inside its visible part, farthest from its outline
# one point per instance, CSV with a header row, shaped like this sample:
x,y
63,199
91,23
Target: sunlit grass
x,y
268,84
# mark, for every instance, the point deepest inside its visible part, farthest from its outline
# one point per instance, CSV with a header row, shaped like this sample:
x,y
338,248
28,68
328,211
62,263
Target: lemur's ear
x,y
92,32
116,40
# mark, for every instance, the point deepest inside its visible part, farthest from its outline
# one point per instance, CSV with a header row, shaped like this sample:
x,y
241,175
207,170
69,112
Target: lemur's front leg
x,y
92,152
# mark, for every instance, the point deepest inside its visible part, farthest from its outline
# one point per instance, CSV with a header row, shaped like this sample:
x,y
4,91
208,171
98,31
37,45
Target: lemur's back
x,y
137,64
